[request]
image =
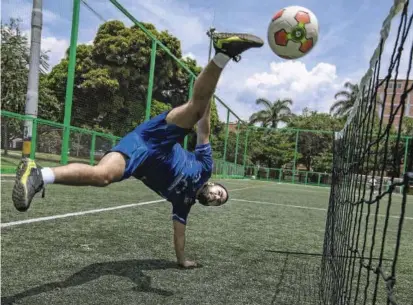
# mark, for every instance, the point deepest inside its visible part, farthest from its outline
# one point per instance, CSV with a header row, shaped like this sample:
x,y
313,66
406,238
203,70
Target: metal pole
x,y
236,145
405,155
295,155
70,81
226,136
210,33
32,96
190,91
150,84
245,147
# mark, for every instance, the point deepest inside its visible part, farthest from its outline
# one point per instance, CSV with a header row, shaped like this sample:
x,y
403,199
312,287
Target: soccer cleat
x,y
233,44
29,181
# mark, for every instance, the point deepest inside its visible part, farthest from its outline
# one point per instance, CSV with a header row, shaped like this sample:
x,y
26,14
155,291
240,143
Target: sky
x,y
349,32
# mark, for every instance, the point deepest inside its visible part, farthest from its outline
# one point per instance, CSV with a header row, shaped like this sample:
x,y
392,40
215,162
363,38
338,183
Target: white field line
x,y
308,208
80,213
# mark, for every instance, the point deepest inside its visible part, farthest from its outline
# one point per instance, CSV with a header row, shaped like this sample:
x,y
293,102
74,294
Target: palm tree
x,y
274,112
347,100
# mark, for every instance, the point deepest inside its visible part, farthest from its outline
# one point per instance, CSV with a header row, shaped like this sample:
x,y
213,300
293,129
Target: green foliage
x,y
311,145
15,52
158,108
345,100
407,126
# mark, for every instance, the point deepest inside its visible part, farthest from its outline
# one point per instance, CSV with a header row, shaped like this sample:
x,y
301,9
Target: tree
x,y
15,54
112,77
274,113
407,126
314,145
347,100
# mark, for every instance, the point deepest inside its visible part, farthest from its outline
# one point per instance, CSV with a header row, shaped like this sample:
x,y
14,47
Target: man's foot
x,y
29,181
233,44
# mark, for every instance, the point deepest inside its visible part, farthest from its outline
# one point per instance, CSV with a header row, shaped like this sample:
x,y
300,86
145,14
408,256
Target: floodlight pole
x,y
210,32
32,96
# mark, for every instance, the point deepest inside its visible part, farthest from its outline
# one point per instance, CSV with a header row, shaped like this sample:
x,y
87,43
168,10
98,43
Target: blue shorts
x,y
155,135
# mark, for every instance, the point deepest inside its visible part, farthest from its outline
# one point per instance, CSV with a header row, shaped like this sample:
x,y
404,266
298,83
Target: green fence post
x,y
319,179
295,156
226,136
70,81
405,155
191,89
150,83
33,145
236,145
92,149
306,178
246,147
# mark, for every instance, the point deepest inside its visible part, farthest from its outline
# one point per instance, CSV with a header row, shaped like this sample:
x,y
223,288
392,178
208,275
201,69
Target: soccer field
x,y
114,246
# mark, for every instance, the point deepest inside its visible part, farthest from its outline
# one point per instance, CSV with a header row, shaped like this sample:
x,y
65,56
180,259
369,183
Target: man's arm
x,y
179,242
204,126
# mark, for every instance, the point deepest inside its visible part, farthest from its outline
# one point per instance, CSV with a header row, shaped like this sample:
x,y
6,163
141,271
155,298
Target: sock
x,y
48,175
221,60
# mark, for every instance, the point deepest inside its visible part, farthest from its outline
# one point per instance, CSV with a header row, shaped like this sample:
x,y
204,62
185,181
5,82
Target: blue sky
x,y
349,31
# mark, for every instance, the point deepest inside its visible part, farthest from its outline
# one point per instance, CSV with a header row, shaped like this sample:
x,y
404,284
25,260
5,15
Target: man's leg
x,y
31,179
227,46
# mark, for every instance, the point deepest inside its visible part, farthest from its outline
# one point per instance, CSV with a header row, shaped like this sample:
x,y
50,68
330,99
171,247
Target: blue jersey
x,y
154,155
178,175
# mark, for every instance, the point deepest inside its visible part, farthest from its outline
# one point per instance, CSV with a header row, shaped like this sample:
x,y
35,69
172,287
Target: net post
x,y
295,155
236,145
92,149
190,91
33,145
150,83
226,136
70,81
306,177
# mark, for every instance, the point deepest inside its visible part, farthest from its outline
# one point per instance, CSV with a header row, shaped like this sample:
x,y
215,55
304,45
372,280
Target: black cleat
x,y
29,181
233,44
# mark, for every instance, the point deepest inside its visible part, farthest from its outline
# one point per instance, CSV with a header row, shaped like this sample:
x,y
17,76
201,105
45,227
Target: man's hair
x,y
225,191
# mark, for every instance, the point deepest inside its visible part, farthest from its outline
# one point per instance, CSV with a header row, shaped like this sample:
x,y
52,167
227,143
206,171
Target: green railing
x,y
156,45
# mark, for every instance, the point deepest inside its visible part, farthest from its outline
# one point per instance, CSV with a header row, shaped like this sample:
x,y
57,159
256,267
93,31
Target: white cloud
x,y
56,47
23,10
189,55
313,88
53,46
184,21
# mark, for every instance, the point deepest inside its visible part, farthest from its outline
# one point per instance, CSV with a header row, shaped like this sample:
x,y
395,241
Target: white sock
x,y
221,60
48,175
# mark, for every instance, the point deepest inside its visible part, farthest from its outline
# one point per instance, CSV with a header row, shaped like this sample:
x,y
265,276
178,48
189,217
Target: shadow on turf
x,y
131,269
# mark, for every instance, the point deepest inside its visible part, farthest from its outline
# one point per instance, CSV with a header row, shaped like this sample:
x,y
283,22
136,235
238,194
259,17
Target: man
x,y
152,154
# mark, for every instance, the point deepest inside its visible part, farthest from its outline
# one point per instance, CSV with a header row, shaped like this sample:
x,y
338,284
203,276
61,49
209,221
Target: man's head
x,y
212,194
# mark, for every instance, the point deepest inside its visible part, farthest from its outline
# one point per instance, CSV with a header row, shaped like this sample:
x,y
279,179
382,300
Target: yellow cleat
x,y
29,181
233,44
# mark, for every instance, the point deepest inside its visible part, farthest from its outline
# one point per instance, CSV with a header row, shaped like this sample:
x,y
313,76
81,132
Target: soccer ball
x,y
293,32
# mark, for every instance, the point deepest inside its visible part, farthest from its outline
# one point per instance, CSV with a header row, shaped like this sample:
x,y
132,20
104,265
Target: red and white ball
x,y
293,32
